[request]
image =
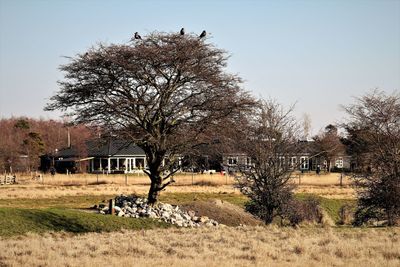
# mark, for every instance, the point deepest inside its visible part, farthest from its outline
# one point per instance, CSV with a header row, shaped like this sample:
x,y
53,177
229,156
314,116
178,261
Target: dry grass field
x,y
240,246
89,184
308,245
180,179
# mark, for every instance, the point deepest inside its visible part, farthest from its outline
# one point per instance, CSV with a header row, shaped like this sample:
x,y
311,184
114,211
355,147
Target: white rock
x,y
165,214
191,213
121,213
117,209
186,217
167,207
203,219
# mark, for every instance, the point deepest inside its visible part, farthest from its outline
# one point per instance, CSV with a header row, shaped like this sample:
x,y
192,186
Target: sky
x,y
317,54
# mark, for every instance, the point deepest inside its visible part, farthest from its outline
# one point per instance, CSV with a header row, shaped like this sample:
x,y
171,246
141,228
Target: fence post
x,y
111,206
341,179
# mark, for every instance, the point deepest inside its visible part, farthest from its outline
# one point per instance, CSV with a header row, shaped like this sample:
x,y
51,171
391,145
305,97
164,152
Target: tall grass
x,y
181,179
242,246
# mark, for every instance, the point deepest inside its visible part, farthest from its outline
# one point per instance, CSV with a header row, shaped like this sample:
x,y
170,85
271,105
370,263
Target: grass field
x,y
22,221
83,185
227,246
48,223
180,179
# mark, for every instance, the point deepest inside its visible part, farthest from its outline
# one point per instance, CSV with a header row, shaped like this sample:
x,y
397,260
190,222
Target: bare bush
x,y
374,138
346,214
298,211
269,138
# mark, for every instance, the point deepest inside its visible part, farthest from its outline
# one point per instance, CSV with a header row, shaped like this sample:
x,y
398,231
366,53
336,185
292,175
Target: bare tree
x,y
270,138
160,91
328,144
374,135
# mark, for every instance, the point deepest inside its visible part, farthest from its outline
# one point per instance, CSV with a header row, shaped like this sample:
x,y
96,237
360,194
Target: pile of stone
x,y
136,207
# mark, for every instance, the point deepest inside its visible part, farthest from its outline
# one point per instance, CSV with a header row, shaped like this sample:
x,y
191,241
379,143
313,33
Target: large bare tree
x,y
374,140
160,91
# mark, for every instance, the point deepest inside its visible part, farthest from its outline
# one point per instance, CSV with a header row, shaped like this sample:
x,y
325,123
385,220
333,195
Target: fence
x,y
7,179
181,179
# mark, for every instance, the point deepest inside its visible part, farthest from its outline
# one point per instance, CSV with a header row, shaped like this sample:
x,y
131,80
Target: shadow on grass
x,y
55,222
20,221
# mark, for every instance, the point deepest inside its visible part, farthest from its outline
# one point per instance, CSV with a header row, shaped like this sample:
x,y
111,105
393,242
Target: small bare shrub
x,y
346,214
299,211
98,183
205,183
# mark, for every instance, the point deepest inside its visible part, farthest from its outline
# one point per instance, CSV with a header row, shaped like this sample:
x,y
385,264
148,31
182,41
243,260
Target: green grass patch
x,y
331,206
21,221
185,198
82,202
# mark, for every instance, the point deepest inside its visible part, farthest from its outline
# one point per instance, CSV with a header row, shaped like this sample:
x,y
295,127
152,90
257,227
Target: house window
x,y
140,163
293,162
281,161
339,163
248,161
304,163
232,160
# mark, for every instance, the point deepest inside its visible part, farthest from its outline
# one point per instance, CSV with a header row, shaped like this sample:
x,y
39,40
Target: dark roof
x,y
306,146
113,148
101,148
66,152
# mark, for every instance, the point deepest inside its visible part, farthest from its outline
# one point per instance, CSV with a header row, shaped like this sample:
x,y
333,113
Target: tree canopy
x,y
161,92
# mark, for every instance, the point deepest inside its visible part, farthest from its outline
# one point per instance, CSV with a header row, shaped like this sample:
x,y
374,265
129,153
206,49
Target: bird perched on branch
x,y
182,32
137,36
203,34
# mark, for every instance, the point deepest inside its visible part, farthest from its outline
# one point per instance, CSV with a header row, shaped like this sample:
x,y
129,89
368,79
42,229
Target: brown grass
x,y
242,246
48,191
89,184
122,179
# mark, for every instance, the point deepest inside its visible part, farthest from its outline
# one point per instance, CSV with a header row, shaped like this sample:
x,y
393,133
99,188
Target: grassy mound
x,y
223,212
20,216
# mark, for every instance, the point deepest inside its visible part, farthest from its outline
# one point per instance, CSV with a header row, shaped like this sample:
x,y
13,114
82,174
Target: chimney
x,y
69,138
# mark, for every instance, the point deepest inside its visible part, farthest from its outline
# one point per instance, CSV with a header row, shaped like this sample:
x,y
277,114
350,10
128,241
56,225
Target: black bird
x,y
182,31
203,34
137,36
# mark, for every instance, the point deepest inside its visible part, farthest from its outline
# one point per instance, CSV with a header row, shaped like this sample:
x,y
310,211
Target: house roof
x,y
101,148
114,148
306,147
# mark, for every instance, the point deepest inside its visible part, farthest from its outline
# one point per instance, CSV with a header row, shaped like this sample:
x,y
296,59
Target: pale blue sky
x,y
316,53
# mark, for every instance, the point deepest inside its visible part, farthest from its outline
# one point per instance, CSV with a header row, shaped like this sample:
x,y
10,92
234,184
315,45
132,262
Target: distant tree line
x,y
23,140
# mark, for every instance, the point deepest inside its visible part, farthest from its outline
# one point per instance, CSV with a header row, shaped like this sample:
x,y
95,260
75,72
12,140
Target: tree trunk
x,y
154,191
390,217
269,217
